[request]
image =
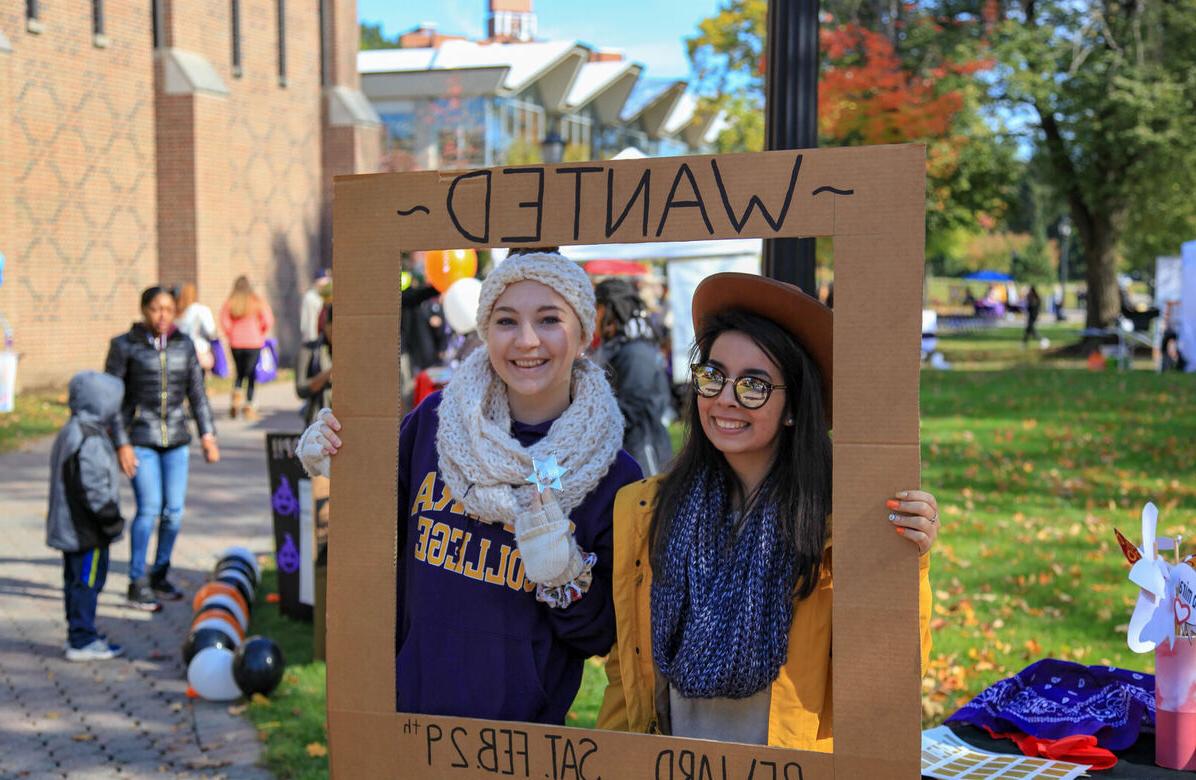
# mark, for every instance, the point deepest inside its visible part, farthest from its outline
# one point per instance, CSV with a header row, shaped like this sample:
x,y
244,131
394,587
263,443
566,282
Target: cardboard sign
x,y
871,201
291,504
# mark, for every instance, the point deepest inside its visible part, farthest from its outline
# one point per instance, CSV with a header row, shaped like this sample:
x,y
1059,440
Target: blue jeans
x,y
160,486
83,577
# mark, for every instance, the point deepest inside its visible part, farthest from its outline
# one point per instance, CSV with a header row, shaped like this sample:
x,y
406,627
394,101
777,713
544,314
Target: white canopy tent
x,y
687,264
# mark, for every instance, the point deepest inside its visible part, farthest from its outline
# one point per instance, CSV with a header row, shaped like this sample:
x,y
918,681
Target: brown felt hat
x,y
799,314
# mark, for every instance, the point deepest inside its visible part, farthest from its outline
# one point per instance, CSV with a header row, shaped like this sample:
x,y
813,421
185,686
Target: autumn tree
x,y
1110,88
906,80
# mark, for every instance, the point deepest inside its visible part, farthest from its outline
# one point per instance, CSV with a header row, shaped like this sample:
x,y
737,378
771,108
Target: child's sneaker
x,y
98,650
141,596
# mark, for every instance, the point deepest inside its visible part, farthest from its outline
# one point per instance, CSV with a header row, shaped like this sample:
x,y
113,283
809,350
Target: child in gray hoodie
x,y
84,515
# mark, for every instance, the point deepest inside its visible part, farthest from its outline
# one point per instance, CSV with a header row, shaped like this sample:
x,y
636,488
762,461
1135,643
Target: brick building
x,y
167,141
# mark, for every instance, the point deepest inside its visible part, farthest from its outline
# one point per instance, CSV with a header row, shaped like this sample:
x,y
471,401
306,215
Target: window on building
x,y
31,10
577,132
236,20
97,17
156,21
324,43
282,42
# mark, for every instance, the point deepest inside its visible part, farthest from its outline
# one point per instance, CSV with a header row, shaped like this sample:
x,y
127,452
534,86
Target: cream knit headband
x,y
564,276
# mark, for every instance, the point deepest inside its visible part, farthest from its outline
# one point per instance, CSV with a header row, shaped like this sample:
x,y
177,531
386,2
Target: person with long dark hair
x,y
158,364
722,577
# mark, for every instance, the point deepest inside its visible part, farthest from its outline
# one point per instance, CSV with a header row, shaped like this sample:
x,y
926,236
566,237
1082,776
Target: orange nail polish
x,y
901,530
893,503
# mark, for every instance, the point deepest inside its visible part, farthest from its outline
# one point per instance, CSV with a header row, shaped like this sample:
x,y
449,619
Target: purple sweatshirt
x,y
472,641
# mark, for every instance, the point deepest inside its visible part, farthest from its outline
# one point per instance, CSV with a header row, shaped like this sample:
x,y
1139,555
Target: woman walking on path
x,y
722,575
245,318
504,582
196,321
158,365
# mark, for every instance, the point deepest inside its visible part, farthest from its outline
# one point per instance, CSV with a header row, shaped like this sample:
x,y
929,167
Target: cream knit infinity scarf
x,y
486,468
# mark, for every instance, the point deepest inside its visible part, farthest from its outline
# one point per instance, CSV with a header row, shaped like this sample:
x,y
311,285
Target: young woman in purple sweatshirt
x,y
506,487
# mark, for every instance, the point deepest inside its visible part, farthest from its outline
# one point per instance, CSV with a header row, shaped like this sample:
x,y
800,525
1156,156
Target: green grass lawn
x,y
35,414
291,721
1032,470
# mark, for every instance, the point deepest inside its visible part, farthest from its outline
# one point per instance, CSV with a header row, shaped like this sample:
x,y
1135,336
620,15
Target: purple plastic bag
x,y
267,363
219,359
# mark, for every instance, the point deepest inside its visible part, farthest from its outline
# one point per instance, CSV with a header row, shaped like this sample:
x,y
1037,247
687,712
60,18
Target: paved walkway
x,y
127,718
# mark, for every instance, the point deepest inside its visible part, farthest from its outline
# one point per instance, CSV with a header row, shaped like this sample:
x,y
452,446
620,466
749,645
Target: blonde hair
x,y
242,301
187,296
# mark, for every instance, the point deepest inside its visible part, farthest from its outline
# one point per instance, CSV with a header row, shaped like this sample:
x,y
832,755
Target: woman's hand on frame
x,y
914,514
318,443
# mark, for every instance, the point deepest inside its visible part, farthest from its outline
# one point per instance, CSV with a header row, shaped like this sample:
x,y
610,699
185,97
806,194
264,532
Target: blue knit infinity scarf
x,y
722,599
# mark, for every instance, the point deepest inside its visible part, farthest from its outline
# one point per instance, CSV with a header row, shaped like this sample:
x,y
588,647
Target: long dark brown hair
x,y
798,482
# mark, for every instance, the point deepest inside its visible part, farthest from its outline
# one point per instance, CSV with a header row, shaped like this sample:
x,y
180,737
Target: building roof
x,y
525,62
606,85
566,81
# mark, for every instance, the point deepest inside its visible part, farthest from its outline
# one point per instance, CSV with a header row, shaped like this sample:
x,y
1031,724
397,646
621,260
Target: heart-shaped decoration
x,y
1183,612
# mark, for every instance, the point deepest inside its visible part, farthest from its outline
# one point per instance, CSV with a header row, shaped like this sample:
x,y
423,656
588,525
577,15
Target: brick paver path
x,y
126,718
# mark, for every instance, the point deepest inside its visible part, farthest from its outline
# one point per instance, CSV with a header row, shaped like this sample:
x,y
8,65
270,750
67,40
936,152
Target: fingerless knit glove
x,y
549,551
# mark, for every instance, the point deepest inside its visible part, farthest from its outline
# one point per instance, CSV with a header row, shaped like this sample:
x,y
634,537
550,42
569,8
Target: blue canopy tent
x,y
988,275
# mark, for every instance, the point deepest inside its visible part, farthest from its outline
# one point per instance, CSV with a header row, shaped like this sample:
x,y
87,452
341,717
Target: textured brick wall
x,y
80,178
257,154
108,186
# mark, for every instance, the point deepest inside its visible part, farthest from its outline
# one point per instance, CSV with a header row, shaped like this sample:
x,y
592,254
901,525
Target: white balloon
x,y
211,675
460,304
239,576
220,624
224,600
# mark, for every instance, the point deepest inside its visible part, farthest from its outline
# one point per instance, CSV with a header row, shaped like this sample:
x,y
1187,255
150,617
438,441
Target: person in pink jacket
x,y
245,318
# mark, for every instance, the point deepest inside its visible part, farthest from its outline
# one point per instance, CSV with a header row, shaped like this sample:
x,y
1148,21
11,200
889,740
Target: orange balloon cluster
x,y
442,267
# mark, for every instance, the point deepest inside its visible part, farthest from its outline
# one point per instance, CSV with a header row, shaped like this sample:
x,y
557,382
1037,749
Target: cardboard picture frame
x,y
870,201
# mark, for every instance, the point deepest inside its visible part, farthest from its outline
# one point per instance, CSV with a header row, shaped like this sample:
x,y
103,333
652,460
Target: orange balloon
x,y
221,615
442,267
211,588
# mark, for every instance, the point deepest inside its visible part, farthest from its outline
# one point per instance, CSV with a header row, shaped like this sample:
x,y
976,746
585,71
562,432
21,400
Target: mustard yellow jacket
x,y
800,710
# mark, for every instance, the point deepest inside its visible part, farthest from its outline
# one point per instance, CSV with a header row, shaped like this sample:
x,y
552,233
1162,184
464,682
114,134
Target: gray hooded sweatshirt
x,y
95,400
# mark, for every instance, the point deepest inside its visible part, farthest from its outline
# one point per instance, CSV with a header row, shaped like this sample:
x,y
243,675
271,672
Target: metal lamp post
x,y
791,118
552,148
1064,241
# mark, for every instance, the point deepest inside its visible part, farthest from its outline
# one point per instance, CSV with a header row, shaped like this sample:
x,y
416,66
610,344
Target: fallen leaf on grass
x,y
273,598
316,750
259,699
236,709
53,715
176,706
84,737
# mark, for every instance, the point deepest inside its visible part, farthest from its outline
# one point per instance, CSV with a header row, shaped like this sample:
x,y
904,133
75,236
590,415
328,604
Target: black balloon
x,y
239,565
204,638
258,666
242,588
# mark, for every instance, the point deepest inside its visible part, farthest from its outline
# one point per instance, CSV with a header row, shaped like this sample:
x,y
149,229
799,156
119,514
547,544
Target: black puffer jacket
x,y
156,382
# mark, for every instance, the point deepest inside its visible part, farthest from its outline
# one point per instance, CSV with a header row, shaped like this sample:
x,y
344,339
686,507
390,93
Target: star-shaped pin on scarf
x,y
547,474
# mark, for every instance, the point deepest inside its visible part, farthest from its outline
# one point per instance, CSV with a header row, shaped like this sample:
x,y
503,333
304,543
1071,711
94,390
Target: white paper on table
x,y
307,552
946,756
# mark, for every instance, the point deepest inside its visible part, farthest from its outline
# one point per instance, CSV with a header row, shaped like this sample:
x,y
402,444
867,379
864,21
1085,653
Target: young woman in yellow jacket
x,y
722,566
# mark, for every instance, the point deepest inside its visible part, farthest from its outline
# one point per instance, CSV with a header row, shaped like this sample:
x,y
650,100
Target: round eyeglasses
x,y
751,392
